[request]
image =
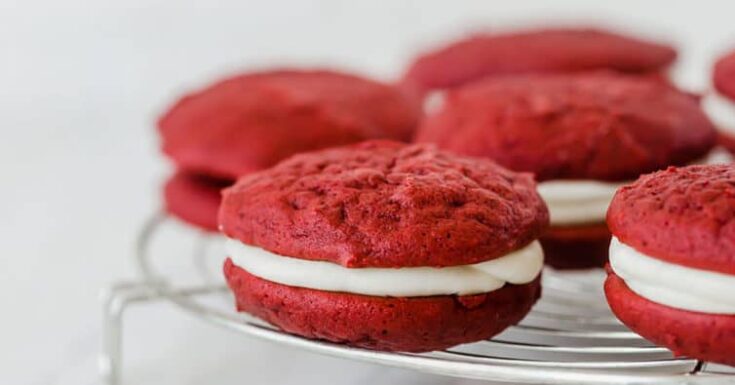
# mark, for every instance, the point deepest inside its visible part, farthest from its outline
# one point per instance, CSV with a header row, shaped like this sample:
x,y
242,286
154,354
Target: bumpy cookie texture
x,y
194,199
385,204
684,216
576,247
600,125
708,337
250,122
724,75
552,50
383,323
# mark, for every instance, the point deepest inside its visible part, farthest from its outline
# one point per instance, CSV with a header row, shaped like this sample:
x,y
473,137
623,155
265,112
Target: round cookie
x,y
382,323
546,50
250,122
684,216
704,336
573,126
194,198
377,209
372,205
724,75
570,131
672,262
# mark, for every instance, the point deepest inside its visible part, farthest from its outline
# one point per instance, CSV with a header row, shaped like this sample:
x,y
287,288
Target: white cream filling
x,y
577,201
434,102
573,202
519,267
721,111
673,285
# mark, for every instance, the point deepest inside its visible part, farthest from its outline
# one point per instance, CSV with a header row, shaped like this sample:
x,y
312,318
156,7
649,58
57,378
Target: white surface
x,y
518,267
80,85
673,285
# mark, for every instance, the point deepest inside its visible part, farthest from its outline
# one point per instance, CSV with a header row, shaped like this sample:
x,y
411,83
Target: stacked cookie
x,y
250,122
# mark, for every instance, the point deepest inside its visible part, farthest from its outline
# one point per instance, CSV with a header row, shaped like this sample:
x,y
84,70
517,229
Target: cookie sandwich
x,y
386,246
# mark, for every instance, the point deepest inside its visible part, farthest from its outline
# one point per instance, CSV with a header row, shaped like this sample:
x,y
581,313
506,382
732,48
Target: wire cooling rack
x,y
570,337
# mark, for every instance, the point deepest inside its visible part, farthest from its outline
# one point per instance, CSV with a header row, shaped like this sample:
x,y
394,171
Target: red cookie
x,y
709,337
576,126
194,199
598,126
724,81
383,204
250,122
551,50
724,75
727,141
382,323
684,216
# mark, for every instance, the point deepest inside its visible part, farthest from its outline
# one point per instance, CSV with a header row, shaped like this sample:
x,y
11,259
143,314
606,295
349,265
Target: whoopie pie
x,y
671,276
582,135
385,246
251,121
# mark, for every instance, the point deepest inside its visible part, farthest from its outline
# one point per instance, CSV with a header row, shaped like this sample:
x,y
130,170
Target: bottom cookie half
x,y
415,324
708,337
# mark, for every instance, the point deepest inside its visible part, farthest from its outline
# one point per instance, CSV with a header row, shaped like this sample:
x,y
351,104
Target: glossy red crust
x,y
194,199
683,215
708,337
415,324
550,50
576,247
385,204
602,125
250,122
724,75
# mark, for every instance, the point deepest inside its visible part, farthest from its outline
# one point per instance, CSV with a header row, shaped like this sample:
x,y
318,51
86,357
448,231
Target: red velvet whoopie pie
x,y
582,135
671,277
385,246
250,122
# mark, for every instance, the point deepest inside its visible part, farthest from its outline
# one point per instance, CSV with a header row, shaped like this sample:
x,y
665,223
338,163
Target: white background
x,y
80,85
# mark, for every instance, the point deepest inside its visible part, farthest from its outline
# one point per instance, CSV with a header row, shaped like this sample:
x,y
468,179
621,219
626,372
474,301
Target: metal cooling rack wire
x,y
570,337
